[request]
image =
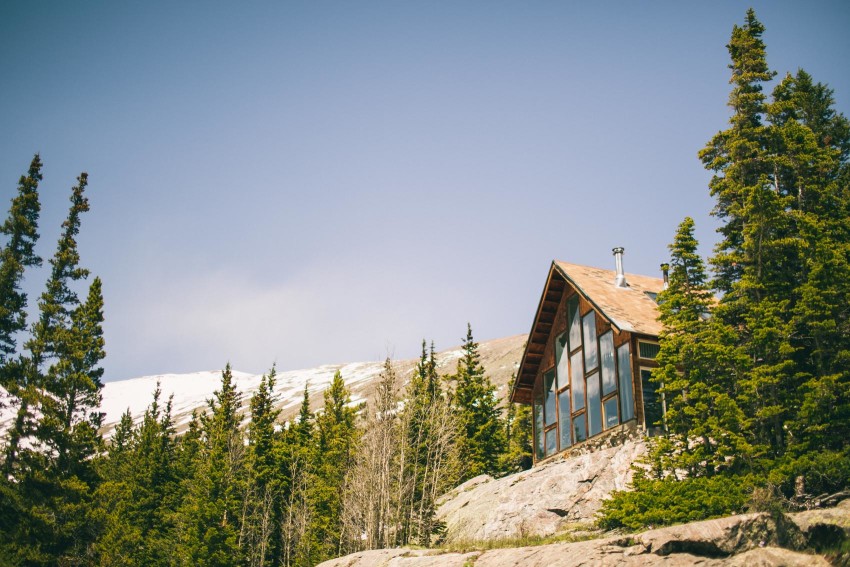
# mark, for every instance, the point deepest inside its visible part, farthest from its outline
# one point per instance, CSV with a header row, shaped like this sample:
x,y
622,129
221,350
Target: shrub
x,y
654,503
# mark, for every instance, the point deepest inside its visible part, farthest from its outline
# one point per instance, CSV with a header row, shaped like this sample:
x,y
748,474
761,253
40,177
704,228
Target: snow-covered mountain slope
x,y
500,358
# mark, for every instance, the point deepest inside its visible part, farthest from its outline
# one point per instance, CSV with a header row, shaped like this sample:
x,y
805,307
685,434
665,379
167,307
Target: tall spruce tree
x,y
295,451
261,504
209,517
758,254
481,436
55,431
20,231
335,450
697,365
138,499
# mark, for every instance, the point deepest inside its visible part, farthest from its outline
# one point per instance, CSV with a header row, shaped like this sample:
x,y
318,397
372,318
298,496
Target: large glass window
x,y
551,441
608,368
610,408
574,322
579,428
577,375
538,423
624,370
564,410
594,405
549,392
588,323
562,360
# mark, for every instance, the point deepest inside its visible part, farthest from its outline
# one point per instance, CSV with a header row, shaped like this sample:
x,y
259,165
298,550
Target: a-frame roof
x,y
630,308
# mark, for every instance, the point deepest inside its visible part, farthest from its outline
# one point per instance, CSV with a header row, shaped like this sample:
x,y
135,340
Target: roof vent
x,y
620,280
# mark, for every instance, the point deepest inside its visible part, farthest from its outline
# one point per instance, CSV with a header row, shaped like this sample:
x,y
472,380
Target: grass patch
x,y
575,533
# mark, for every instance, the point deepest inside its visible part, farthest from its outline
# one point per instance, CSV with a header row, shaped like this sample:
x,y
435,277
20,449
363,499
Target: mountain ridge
x,y
500,358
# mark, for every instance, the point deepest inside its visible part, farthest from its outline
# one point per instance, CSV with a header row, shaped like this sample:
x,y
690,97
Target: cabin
x,y
588,358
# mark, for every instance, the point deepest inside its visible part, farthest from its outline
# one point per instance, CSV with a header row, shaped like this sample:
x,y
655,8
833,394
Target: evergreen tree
x,y
697,363
758,255
55,432
518,427
295,451
49,339
814,143
481,437
20,231
336,446
260,516
138,500
208,519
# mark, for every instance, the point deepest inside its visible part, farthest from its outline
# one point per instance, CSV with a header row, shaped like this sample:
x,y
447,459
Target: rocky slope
x,y
745,540
542,501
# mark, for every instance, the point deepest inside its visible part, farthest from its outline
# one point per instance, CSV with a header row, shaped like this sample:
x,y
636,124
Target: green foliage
x,y
138,500
518,428
481,438
821,472
51,454
761,386
209,516
21,233
336,443
697,362
661,502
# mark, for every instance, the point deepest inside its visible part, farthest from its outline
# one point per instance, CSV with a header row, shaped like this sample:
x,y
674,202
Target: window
x,y
594,405
561,361
551,441
653,409
577,377
648,350
588,323
608,369
579,428
624,371
574,323
609,406
538,423
564,411
549,393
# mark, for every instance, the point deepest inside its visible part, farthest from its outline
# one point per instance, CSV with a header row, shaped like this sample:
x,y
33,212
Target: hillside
x,y
500,358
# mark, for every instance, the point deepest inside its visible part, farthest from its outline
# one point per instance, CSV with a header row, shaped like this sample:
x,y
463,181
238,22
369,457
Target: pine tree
x,y
518,427
261,506
758,256
295,451
138,500
336,447
208,519
55,433
21,233
481,436
697,363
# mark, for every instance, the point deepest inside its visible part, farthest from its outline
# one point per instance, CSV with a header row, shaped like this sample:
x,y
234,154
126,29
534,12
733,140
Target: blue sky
x,y
319,182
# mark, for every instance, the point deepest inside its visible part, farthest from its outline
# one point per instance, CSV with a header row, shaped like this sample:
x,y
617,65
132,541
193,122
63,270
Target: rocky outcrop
x,y
542,501
749,540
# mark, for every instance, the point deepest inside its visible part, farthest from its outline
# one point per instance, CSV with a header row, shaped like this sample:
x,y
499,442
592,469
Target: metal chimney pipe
x,y
620,280
665,270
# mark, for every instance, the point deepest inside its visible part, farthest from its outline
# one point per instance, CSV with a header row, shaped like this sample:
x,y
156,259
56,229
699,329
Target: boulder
x,y
746,540
539,502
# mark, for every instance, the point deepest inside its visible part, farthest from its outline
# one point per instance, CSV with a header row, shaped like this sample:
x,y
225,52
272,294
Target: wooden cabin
x,y
589,356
